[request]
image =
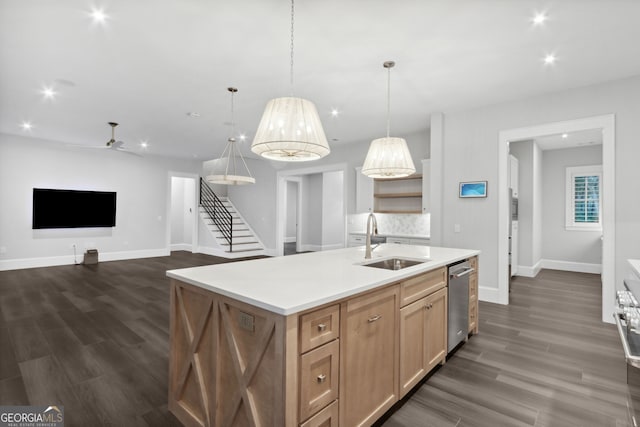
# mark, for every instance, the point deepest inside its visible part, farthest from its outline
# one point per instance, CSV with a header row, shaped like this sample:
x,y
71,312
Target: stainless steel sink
x,y
394,263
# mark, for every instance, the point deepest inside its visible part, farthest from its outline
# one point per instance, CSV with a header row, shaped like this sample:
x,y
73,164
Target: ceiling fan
x,y
112,144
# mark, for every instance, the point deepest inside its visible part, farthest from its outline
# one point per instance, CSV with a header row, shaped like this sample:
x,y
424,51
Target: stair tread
x,y
240,243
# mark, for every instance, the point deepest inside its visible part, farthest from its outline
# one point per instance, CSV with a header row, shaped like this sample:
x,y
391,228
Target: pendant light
x,y
232,152
290,129
388,157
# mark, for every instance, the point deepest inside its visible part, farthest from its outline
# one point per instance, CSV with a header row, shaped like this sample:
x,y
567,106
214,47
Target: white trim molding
x,y
527,271
607,124
578,267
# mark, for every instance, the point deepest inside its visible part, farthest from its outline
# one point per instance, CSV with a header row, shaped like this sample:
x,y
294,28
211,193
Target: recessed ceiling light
x,y
539,18
98,16
565,135
550,59
243,137
144,144
193,114
26,126
335,112
48,92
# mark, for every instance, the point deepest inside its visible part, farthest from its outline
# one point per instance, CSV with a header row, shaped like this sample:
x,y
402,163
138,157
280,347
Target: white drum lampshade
x,y
388,157
291,131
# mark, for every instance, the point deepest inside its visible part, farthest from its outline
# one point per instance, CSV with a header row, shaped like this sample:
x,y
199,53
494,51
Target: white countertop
x,y
290,284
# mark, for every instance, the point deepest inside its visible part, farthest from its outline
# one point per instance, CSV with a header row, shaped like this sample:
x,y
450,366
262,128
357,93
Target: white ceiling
x,y
570,140
154,61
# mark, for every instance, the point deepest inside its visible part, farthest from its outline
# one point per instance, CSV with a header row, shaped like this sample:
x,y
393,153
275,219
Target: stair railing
x,y
217,211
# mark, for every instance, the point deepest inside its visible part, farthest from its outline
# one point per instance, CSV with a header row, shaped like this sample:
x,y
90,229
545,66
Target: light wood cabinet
x,y
423,338
473,296
319,327
420,286
426,185
328,417
398,195
347,363
369,357
318,378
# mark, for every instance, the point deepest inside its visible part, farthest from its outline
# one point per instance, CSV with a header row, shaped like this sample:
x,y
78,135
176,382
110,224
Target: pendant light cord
x,y
291,63
388,100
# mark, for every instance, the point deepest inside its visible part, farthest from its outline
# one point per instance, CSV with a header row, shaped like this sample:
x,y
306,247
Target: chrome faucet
x,y
371,221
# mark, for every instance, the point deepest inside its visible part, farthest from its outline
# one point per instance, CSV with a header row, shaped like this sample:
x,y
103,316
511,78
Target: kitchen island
x,y
313,339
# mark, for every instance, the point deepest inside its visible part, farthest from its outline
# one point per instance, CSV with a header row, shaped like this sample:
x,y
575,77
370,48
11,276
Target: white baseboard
x,y
488,294
578,267
290,239
318,248
181,247
19,264
230,255
527,271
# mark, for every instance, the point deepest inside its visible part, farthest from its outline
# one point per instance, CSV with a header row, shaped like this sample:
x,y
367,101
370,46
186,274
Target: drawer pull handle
x,y
322,327
374,318
428,306
321,378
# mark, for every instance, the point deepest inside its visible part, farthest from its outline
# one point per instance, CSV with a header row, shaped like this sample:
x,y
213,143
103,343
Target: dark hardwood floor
x,y
544,360
95,339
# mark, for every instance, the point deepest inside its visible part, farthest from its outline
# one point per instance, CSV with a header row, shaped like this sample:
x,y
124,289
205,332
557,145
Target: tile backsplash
x,y
393,224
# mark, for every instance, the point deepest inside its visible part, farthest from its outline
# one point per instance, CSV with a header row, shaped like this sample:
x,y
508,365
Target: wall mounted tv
x,y
73,208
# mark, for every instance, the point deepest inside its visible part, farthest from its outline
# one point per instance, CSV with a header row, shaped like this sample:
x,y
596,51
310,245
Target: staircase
x,y
231,232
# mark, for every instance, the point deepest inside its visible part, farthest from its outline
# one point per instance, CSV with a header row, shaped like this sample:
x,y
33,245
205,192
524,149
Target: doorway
x,y
320,208
606,124
293,221
183,213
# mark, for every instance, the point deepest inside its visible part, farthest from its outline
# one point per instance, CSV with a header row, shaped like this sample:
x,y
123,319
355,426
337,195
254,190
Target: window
x,y
583,208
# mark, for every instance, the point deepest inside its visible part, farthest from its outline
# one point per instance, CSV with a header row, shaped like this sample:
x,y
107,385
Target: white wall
x,y
312,212
558,244
142,188
333,220
470,152
182,214
292,208
177,210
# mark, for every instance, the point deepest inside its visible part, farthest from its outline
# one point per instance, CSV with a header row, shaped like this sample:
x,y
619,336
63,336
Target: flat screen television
x,y
73,208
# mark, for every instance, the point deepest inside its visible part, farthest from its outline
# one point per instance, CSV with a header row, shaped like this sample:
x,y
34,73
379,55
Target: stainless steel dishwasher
x,y
458,321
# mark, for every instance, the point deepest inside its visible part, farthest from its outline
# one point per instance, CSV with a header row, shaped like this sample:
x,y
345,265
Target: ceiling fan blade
x,y
86,146
117,144
121,150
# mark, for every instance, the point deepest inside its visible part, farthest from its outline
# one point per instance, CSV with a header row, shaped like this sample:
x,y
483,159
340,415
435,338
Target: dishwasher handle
x,y
462,272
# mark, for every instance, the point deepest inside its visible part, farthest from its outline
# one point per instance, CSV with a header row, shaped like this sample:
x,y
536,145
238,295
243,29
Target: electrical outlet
x,y
456,228
246,321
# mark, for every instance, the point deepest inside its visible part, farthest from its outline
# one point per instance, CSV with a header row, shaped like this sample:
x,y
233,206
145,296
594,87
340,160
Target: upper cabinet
x,y
513,174
396,195
426,185
364,192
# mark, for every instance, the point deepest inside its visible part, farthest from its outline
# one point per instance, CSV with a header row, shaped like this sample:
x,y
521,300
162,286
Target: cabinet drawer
x,y
399,240
357,240
319,378
328,417
319,327
420,286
